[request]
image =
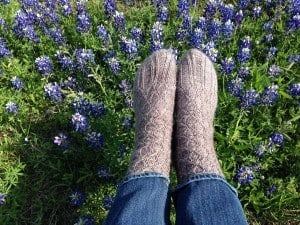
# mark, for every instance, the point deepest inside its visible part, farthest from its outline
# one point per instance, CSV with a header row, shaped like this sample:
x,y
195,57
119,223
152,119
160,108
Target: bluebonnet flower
x,y
210,9
226,11
83,22
84,220
227,65
129,46
79,122
294,89
274,71
174,51
239,16
136,33
269,96
53,91
271,190
244,175
244,72
57,35
50,17
249,99
67,9
95,140
109,7
213,29
272,52
17,83
81,6
294,23
2,21
2,198
210,50
12,107
294,7
128,102
242,4
125,87
127,122
162,13
257,11
83,59
261,149
187,23
44,65
268,26
269,38
196,38
82,106
156,36
24,28
119,21
246,42
103,34
227,29
70,83
243,55
77,198
276,139
4,51
97,109
65,61
294,58
201,23
107,202
183,8
235,86
61,140
6,2
103,172
113,63
180,34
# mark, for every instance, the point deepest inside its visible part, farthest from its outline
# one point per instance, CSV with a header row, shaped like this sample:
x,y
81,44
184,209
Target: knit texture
x,y
154,99
196,102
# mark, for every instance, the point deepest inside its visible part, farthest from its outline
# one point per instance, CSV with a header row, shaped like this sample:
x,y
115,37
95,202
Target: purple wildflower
x,y
272,52
246,42
162,13
227,65
183,8
235,87
97,109
226,11
261,149
227,29
210,50
125,87
269,38
79,122
243,55
61,140
17,83
44,65
67,9
112,61
244,175
2,198
257,11
95,140
156,36
109,7
83,22
271,190
276,139
129,46
103,172
103,34
268,26
213,29
196,38
239,16
136,33
294,58
12,107
274,71
57,35
83,59
242,4
4,51
201,23
244,72
294,23
249,99
128,102
65,61
294,89
269,96
119,21
53,91
77,198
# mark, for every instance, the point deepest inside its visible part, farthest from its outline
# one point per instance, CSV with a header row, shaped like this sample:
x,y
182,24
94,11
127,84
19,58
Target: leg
x,y
142,197
203,196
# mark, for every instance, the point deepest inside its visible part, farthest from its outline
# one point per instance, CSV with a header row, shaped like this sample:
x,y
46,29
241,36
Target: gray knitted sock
x,y
154,99
196,101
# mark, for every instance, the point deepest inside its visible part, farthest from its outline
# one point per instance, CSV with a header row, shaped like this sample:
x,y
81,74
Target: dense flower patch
x,y
67,118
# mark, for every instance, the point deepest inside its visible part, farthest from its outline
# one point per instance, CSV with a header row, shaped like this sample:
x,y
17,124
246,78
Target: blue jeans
x,y
205,199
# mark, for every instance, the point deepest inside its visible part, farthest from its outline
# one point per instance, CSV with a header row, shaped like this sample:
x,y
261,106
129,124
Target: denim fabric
x,y
141,200
205,199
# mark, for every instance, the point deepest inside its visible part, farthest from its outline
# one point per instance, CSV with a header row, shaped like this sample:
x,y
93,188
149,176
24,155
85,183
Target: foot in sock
x,y
154,99
196,102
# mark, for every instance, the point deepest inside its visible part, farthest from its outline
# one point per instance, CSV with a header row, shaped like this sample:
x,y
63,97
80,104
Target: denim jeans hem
x,y
203,176
145,175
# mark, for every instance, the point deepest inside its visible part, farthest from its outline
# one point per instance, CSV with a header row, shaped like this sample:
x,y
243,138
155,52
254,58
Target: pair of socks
x,y
187,96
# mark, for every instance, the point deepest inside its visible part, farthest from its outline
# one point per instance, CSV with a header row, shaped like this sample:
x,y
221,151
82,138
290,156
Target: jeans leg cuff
x,y
131,177
204,176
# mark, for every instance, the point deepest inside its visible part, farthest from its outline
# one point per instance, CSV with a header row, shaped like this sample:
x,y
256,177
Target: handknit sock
x,y
196,102
154,100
